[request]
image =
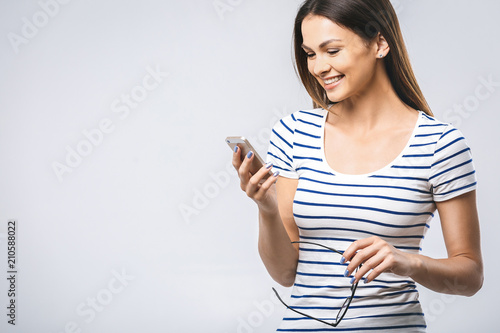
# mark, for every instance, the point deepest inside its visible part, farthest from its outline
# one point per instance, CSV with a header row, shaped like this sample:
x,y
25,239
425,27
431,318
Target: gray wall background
x,y
147,230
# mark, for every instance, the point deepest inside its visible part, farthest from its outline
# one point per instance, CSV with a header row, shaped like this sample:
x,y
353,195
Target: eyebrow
x,y
322,45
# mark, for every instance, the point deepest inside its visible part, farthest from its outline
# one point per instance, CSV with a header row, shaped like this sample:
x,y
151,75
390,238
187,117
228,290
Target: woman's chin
x,y
335,98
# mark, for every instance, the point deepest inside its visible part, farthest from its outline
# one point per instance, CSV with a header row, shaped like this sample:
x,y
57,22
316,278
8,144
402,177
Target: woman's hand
x,y
459,274
262,192
378,256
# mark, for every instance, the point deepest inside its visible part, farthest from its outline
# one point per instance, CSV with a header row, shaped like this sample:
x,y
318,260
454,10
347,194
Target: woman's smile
x,y
333,82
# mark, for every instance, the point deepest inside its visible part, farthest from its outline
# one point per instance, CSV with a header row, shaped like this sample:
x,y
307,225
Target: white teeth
x,y
335,79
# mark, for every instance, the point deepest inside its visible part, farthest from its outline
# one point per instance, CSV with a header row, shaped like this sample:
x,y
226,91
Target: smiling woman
x,y
364,21
360,178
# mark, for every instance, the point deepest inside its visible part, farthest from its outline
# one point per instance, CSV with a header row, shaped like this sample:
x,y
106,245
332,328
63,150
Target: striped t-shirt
x,y
395,203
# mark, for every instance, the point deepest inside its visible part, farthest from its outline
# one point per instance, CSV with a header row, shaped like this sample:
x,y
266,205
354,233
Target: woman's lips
x,y
335,83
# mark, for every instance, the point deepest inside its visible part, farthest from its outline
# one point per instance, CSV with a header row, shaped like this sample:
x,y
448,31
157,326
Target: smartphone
x,y
245,147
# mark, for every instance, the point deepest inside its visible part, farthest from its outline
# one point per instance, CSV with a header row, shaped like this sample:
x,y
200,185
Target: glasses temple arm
x,y
326,247
306,315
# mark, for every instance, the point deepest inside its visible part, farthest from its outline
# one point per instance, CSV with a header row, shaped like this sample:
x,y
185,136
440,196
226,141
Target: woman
x,y
363,172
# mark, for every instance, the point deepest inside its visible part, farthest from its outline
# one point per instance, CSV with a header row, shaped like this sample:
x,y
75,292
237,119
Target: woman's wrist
x,y
417,266
268,212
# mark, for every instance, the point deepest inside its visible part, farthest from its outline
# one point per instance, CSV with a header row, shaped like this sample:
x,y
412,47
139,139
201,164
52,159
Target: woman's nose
x,y
321,66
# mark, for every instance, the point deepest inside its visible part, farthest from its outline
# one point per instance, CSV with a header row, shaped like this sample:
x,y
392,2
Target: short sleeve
x,y
280,151
452,171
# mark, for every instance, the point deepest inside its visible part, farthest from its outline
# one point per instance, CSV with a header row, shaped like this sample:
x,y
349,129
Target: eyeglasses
x,y
345,306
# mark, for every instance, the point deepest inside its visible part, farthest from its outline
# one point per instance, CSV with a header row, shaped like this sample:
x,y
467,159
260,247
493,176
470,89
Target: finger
x,y
383,266
355,247
267,183
368,265
361,257
271,179
263,173
236,158
255,180
244,170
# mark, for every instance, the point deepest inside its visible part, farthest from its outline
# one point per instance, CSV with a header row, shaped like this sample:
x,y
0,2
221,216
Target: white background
x,y
119,210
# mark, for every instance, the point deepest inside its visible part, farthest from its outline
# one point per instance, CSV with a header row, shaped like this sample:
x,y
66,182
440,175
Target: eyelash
x,y
310,55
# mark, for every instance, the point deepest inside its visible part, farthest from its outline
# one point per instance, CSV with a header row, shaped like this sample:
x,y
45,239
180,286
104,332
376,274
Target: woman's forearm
x,y
277,252
460,275
462,272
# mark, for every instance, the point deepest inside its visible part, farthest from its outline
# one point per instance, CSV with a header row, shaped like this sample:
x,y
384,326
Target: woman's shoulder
x,y
293,119
436,127
431,120
452,170
318,112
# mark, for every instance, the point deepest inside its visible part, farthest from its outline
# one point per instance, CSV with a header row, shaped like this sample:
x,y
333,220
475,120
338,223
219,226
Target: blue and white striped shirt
x,y
395,203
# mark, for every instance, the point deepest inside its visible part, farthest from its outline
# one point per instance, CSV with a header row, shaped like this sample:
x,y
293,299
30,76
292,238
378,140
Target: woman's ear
x,y
382,46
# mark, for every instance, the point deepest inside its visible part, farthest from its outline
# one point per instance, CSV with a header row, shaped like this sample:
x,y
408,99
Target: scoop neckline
x,y
387,166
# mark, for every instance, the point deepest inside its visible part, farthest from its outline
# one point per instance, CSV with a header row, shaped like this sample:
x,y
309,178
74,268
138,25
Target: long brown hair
x,y
366,18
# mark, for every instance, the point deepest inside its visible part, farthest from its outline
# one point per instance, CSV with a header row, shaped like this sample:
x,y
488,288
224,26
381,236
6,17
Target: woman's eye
x,y
330,52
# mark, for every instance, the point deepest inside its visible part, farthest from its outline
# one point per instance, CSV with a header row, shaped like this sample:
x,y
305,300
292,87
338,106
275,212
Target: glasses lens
x,y
343,310
347,302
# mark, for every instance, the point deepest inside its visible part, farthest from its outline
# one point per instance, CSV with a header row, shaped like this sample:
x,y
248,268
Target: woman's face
x,y
338,58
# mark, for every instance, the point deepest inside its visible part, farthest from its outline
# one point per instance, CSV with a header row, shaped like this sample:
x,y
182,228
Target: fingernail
x,y
269,165
342,260
365,280
250,153
235,149
276,174
346,273
352,280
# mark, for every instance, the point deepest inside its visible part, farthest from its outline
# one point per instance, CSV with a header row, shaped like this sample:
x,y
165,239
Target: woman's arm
x,y
461,273
277,227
